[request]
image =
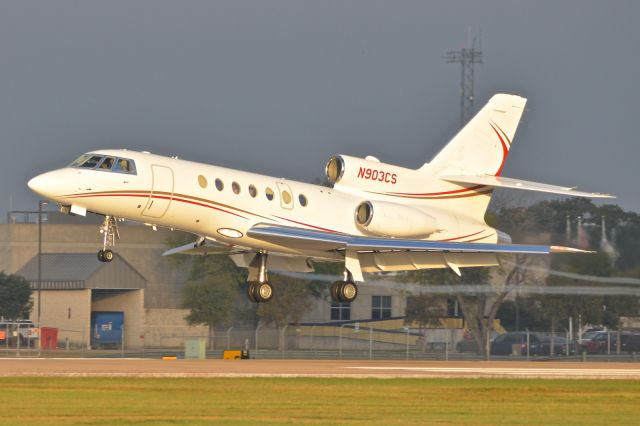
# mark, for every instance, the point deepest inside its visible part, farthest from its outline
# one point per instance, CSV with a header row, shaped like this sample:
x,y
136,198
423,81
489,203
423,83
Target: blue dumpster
x,y
106,330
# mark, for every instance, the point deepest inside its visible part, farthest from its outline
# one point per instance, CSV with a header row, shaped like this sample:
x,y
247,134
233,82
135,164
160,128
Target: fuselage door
x,y
161,191
286,196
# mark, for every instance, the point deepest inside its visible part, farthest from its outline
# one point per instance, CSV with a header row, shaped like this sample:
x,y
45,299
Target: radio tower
x,y
466,57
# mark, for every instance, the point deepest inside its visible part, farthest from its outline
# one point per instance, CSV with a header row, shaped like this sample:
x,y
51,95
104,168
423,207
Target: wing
x,y
373,254
502,182
303,239
203,247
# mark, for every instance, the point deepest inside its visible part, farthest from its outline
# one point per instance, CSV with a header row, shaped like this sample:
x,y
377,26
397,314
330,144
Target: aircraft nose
x,y
43,184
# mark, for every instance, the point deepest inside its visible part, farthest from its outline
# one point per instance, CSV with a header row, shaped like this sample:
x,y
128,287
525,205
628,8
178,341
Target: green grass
x,y
175,401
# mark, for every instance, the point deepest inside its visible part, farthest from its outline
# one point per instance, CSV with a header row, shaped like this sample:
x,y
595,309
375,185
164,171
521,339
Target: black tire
x,y
335,293
348,291
108,255
250,292
101,255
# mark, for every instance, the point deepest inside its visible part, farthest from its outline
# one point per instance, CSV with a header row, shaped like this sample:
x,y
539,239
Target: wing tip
x,y
563,249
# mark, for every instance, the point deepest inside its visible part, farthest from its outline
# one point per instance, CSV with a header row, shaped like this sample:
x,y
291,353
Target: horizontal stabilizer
x,y
503,182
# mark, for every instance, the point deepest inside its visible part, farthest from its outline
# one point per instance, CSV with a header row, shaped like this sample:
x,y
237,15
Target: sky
x,y
278,87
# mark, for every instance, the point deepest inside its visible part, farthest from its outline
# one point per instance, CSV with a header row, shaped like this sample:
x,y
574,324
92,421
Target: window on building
x,y
380,307
340,311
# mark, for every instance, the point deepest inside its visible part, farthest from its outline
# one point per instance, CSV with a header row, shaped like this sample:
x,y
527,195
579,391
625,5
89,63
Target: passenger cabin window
x,y
269,193
303,200
235,187
219,184
253,191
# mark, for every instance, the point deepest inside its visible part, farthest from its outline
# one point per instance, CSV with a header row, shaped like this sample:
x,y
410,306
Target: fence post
x,y
407,342
528,345
82,342
370,343
283,339
608,343
256,335
229,338
618,342
568,337
311,338
122,341
340,342
446,346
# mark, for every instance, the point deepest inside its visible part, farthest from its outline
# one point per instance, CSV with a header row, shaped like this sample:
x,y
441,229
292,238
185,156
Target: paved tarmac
x,y
133,367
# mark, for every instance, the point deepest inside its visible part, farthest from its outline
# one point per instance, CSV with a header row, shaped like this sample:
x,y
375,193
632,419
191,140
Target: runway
x,y
134,367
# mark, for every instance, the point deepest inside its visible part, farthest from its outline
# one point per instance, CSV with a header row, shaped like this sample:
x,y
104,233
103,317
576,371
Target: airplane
x,y
376,216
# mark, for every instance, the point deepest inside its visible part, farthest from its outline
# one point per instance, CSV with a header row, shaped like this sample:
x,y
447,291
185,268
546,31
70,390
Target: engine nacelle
x,y
394,220
366,173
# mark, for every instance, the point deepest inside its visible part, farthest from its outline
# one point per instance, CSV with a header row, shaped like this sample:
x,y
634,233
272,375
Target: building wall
x,y
131,302
67,310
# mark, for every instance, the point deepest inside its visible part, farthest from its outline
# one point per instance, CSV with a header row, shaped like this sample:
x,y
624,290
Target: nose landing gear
x,y
109,231
260,290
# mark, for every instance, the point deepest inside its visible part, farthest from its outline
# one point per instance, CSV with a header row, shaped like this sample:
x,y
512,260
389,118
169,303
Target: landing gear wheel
x,y
348,291
250,292
107,255
101,255
333,290
259,292
263,292
343,291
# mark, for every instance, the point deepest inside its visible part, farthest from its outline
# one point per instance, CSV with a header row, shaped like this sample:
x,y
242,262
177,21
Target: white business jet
x,y
377,217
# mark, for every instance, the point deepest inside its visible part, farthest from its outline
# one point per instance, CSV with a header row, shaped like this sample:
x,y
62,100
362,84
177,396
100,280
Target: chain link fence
x,y
349,340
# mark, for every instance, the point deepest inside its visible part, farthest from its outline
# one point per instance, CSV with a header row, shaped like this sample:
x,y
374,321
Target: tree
x,y
15,297
210,293
291,299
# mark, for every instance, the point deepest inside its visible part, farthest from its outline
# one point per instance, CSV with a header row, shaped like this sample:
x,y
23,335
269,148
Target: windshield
x,y
105,163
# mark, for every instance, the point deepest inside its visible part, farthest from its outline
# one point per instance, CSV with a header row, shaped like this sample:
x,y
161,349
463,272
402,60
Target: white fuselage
x,y
175,193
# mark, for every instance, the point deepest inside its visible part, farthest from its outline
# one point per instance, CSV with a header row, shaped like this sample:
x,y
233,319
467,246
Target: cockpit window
x,y
125,166
106,164
91,162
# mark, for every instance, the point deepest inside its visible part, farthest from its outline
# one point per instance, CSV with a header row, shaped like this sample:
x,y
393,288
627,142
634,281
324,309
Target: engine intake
x,y
394,220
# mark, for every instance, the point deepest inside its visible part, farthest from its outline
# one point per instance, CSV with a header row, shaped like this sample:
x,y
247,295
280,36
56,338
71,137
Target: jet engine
x,y
394,220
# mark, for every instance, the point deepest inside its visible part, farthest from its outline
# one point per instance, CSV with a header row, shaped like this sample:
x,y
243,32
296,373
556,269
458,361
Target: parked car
x,y
561,345
607,342
22,331
515,343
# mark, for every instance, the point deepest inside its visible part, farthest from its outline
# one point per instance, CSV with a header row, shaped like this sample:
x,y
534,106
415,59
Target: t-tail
x,y
479,149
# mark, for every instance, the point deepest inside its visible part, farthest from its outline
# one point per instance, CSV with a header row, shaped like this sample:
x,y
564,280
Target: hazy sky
x,y
277,87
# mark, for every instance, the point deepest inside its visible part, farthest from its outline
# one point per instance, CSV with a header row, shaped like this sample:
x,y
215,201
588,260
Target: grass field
x,y
175,401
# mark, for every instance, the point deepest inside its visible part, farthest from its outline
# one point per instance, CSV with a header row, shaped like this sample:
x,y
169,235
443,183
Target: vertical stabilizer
x,y
482,146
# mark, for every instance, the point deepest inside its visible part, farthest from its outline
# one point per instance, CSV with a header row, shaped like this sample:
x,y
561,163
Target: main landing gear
x,y
109,231
260,290
344,291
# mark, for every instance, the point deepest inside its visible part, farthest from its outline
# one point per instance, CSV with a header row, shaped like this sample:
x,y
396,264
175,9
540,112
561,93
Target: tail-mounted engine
x,y
394,220
367,173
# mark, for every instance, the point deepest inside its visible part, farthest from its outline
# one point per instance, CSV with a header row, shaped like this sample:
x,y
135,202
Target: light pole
x,y
40,204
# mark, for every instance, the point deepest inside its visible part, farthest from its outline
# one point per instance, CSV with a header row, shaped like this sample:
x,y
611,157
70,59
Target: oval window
x,y
269,193
202,181
253,191
302,199
219,185
286,197
235,187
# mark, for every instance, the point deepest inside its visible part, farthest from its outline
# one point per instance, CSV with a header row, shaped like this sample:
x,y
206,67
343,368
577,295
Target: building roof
x,y
67,271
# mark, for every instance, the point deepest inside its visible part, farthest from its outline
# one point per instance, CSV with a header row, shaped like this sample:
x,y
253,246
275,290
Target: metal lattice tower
x,y
466,57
